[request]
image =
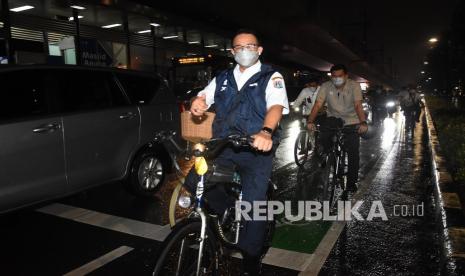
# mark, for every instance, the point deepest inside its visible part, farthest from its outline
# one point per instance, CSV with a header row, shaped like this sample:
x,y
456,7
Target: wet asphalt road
x,y
406,244
38,243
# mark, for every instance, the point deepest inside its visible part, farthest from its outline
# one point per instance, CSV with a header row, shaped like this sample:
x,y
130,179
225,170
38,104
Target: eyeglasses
x,y
242,47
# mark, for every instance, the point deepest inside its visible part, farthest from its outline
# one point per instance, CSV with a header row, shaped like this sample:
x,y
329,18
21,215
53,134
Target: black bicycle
x,y
335,164
305,145
196,244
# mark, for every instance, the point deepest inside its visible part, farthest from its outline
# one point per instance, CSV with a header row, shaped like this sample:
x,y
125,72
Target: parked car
x,y
64,129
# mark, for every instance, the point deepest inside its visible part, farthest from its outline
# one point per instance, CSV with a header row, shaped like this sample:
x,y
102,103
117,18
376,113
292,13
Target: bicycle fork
x,y
203,219
238,222
203,231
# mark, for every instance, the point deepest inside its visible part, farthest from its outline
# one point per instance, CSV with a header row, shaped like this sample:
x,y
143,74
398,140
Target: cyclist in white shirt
x,y
307,97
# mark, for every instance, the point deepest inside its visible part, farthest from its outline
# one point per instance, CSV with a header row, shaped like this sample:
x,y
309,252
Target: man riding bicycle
x,y
343,97
249,100
410,103
307,96
306,99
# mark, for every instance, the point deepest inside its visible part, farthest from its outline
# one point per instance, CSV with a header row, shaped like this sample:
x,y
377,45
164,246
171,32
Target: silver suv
x,y
64,129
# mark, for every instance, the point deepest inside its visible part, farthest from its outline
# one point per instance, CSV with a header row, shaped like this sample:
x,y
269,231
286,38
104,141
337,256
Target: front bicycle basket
x,y
196,128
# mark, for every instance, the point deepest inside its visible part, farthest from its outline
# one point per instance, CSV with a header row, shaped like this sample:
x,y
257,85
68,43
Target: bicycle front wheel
x,y
330,180
181,250
176,212
303,148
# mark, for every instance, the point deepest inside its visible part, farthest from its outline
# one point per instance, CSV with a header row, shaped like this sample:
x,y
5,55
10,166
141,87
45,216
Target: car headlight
x,y
184,201
390,104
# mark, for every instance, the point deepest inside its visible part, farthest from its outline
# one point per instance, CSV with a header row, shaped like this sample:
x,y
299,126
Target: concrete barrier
x,y
448,206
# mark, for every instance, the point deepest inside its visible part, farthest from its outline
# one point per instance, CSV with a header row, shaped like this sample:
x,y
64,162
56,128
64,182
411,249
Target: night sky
x,y
397,29
404,27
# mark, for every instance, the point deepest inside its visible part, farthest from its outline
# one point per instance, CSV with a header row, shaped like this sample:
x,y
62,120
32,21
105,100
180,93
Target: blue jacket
x,y
241,112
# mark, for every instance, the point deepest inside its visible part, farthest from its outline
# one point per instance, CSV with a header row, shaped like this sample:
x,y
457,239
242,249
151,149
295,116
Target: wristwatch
x,y
267,130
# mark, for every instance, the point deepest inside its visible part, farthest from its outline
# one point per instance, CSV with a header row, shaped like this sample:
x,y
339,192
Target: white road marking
x,y
287,259
101,261
284,258
119,224
275,256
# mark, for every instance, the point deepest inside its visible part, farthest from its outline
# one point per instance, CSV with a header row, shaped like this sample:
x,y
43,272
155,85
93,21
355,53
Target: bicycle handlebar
x,y
206,148
213,146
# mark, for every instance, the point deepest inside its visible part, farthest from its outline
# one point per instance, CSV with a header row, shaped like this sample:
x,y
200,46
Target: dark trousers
x,y
352,146
412,111
255,171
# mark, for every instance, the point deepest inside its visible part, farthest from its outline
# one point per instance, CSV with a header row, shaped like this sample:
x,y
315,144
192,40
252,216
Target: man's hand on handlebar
x,y
362,128
311,126
199,105
262,141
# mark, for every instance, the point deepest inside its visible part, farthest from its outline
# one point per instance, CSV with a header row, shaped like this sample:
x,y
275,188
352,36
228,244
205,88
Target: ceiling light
x,y
170,36
144,31
111,26
194,42
433,40
211,46
77,7
72,18
425,63
22,8
155,24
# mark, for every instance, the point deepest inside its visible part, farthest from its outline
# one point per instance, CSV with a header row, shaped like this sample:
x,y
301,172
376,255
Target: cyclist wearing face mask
x,y
307,96
343,97
249,100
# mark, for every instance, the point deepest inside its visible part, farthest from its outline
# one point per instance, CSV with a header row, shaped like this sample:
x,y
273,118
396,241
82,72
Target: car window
x,y
141,90
86,90
22,95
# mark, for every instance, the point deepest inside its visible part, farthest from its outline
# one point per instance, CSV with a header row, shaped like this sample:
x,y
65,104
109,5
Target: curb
x,y
448,207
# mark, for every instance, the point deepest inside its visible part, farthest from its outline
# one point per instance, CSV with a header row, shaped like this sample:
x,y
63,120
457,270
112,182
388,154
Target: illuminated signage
x,y
191,60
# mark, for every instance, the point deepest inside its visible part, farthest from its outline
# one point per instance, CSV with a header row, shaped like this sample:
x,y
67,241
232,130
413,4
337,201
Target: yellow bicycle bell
x,y
201,166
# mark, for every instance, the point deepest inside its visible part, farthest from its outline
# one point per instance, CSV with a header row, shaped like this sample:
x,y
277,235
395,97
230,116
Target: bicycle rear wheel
x,y
181,248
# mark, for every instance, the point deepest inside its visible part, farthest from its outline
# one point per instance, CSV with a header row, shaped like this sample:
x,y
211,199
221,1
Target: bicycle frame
x,y
338,151
201,169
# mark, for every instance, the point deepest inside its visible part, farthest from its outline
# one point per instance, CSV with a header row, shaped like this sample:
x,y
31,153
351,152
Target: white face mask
x,y
246,58
338,81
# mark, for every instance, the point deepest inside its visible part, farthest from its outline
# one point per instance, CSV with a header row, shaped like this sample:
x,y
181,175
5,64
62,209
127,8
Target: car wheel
x,y
147,173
